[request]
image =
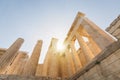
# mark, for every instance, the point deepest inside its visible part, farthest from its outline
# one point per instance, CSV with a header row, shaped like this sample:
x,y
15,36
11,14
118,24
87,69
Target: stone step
x,y
17,77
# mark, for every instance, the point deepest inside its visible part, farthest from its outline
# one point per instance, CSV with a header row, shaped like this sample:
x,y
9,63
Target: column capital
x,y
80,14
40,41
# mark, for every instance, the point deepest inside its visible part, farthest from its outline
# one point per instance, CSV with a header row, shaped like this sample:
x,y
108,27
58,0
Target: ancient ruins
x,y
97,58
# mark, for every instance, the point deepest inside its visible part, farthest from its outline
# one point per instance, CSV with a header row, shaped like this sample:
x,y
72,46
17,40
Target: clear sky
x,y
44,19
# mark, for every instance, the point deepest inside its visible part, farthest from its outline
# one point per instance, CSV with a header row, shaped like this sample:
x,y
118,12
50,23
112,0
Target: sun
x,y
60,46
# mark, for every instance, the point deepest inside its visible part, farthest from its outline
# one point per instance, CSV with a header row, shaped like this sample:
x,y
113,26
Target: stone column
x,y
53,67
47,61
70,63
11,52
18,62
85,49
82,57
46,64
21,65
63,66
98,35
94,47
31,65
39,70
75,57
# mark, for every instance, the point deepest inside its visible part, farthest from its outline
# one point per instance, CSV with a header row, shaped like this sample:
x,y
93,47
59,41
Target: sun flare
x,y
60,46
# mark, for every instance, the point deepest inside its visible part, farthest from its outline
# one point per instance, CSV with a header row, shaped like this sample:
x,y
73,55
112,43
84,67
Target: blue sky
x,y
44,19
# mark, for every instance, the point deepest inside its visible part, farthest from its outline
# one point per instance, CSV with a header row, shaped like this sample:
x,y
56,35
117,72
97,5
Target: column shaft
x,y
63,65
46,64
85,49
20,68
18,62
8,56
53,67
94,47
39,70
70,63
75,56
82,57
31,65
48,58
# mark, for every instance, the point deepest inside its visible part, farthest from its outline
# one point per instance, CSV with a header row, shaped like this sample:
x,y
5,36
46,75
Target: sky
x,y
35,20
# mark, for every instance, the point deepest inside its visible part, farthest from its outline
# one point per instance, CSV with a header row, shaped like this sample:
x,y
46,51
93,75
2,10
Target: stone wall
x,y
105,66
114,28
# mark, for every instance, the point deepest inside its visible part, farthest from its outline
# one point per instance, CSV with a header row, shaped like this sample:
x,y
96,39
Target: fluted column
x,y
82,57
31,65
21,65
48,58
94,47
18,62
53,67
70,63
7,57
39,70
85,49
75,56
63,66
46,64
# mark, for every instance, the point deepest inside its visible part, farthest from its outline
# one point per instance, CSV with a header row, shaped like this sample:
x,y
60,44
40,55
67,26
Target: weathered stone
x,y
31,65
18,64
9,55
97,58
39,70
